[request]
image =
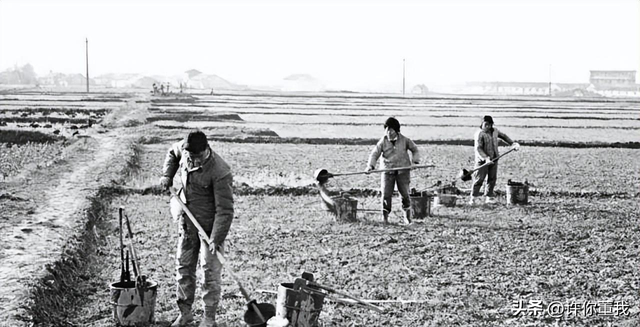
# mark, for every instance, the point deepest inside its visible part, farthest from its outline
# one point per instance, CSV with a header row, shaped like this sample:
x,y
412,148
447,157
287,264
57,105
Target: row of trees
x,y
19,75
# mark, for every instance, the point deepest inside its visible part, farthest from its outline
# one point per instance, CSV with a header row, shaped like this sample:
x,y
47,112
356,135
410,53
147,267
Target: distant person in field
x,y
162,89
206,188
394,149
485,144
155,88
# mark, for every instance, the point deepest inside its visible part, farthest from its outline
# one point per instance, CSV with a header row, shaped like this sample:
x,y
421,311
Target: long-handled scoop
x,y
253,305
322,175
465,175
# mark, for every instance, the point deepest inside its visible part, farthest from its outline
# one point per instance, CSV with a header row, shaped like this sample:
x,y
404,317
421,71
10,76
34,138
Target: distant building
x,y
509,88
60,79
612,78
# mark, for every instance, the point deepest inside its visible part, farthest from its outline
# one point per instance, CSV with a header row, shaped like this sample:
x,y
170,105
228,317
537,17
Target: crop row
x,y
408,120
548,169
14,159
530,134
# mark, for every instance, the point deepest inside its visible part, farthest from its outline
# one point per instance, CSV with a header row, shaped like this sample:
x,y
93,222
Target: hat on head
x,y
487,119
393,124
195,142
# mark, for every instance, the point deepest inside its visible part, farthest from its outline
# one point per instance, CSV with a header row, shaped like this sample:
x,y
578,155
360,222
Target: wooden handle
x,y
331,290
191,217
490,162
384,170
244,292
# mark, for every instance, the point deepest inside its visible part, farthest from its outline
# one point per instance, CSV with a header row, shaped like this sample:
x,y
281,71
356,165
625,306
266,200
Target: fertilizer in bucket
x,y
301,307
133,306
517,193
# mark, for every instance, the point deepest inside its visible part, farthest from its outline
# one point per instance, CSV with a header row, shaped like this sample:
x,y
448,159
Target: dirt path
x,y
34,240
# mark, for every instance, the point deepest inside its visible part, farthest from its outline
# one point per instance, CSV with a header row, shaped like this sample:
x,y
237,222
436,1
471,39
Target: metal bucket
x,y
301,307
447,196
129,307
420,205
346,208
517,193
446,200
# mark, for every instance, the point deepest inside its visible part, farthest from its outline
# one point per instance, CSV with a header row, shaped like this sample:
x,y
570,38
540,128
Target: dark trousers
x,y
388,182
490,173
191,250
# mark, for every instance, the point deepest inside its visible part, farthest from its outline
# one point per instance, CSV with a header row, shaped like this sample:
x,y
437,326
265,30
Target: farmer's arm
x,y
479,145
172,161
504,137
223,193
170,166
415,153
375,153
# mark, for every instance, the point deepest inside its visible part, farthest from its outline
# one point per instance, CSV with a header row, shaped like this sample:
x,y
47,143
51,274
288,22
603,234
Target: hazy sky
x,y
344,43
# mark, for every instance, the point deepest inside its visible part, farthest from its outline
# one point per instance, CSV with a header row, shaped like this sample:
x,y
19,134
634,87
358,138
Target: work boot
x,y
185,317
209,317
407,216
385,217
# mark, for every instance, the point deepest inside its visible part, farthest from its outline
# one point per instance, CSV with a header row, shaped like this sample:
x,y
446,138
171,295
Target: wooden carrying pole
x,y
331,290
383,170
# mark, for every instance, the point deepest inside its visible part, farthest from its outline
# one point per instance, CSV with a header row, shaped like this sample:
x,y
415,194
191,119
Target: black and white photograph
x,y
319,163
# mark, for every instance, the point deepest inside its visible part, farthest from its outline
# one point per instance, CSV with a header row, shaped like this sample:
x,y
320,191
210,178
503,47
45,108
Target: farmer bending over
x,y
207,191
394,148
486,149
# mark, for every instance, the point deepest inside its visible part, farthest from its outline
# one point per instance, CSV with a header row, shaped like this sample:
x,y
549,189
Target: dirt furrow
x,y
38,238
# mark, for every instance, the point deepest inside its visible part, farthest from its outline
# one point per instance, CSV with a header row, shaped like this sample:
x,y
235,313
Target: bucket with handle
x,y
133,302
420,204
131,305
517,193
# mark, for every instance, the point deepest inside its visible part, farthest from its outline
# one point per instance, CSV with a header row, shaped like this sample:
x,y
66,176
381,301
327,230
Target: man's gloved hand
x,y
369,169
488,160
166,182
515,146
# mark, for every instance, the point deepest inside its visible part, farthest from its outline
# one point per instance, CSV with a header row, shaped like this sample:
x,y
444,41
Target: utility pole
x,y
402,76
87,53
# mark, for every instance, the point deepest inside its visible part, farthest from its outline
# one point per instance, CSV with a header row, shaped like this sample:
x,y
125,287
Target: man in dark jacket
x,y
206,189
486,142
394,148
